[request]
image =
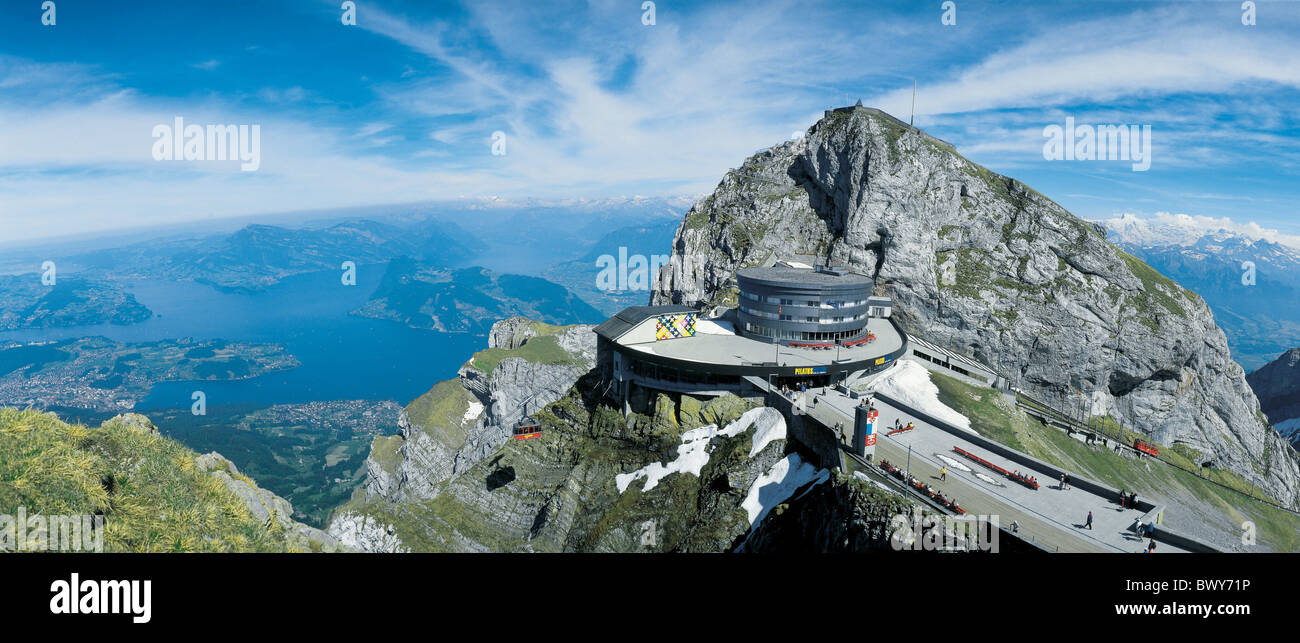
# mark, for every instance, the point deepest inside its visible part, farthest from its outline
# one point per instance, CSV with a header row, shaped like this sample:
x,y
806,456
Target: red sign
x,y
871,440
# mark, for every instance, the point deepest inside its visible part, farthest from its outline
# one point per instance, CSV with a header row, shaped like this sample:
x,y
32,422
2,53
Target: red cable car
x,y
527,429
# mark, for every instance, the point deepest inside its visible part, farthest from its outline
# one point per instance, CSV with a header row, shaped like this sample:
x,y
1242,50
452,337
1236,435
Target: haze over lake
x,y
343,356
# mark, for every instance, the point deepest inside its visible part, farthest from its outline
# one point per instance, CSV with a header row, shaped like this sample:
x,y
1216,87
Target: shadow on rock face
x,y
500,478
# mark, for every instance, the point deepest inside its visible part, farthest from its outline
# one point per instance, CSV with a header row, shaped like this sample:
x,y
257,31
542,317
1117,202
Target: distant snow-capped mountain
x,y
1249,275
1164,229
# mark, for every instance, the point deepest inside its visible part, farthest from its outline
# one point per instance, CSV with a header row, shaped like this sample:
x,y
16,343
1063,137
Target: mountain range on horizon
x,y
1249,276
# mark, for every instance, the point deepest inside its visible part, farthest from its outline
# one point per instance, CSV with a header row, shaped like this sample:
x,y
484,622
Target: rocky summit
x,y
984,265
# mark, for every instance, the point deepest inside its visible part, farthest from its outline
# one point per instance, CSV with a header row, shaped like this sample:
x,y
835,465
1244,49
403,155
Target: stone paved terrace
x,y
1049,516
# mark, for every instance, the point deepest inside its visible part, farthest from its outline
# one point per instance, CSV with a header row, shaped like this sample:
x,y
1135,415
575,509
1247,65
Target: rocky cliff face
x,y
459,422
266,507
984,265
1278,387
596,481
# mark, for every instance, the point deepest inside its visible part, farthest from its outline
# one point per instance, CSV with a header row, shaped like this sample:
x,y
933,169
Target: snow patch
x,y
693,453
475,409
778,484
909,383
770,426
955,464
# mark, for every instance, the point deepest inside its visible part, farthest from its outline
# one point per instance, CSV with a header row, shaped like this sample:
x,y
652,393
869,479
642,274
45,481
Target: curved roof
x,y
629,317
780,274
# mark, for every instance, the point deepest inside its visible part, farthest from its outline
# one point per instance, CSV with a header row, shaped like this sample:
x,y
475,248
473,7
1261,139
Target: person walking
x,y
1151,546
943,473
1089,523
1062,485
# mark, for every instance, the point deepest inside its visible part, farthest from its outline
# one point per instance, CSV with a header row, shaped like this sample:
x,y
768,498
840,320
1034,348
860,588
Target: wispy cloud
x,y
594,103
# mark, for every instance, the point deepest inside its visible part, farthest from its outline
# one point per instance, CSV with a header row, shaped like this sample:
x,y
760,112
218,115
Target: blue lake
x,y
342,356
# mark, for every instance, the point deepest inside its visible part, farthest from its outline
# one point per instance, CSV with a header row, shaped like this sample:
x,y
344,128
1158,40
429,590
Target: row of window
x,y
681,376
806,336
811,303
809,319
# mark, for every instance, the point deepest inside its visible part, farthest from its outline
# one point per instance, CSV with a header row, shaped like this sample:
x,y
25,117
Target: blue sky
x,y
402,107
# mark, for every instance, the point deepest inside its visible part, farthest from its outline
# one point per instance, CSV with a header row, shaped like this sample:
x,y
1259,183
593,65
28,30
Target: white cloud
x,y
605,106
1094,61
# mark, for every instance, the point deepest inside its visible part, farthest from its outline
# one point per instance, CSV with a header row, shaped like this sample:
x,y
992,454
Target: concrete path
x,y
1049,516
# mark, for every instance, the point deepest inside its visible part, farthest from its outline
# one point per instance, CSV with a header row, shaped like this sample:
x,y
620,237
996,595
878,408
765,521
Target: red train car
x,y
1146,447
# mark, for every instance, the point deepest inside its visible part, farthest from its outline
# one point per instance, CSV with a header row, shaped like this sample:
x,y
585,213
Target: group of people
x,y
933,492
1065,481
1127,501
898,425
1026,478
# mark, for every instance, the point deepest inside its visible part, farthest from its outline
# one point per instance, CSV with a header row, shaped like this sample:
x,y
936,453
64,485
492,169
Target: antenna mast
x,y
913,119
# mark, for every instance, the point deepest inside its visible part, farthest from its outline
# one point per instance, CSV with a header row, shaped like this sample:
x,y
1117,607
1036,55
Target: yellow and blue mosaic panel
x,y
674,326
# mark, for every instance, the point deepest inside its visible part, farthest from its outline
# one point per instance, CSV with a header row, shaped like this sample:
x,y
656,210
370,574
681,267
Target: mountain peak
x,y
987,267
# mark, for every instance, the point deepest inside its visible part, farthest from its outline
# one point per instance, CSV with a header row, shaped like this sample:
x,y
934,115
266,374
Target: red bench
x,y
1024,480
900,430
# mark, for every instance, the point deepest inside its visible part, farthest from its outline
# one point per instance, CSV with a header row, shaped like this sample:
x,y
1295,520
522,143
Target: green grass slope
x,y
153,495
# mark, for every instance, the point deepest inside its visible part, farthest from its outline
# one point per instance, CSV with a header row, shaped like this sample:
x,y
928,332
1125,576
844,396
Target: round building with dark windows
x,y
795,326
793,304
